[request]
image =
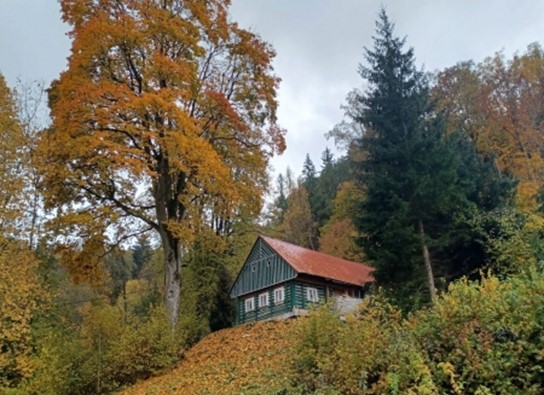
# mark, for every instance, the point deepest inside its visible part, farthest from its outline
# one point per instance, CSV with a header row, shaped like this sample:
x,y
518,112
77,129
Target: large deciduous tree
x,y
165,120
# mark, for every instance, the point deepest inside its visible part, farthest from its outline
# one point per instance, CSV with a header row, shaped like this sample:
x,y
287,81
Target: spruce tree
x,y
333,173
309,176
415,178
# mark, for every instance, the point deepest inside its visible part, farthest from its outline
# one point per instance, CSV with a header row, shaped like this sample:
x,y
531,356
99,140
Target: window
x,y
312,294
279,295
268,262
250,304
263,299
253,267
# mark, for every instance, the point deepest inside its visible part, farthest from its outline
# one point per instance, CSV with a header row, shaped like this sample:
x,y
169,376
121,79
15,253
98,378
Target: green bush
x,y
482,337
142,350
486,338
106,352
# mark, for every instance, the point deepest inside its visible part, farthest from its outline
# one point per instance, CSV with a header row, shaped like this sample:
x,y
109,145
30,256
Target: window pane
x,y
263,299
312,295
250,304
279,295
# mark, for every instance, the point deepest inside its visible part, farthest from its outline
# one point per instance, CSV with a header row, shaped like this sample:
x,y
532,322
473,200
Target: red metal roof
x,y
322,265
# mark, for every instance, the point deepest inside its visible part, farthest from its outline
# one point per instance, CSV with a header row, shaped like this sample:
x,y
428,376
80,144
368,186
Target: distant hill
x,y
248,359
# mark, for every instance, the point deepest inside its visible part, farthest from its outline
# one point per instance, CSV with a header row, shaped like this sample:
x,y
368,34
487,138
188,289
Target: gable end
x,y
263,268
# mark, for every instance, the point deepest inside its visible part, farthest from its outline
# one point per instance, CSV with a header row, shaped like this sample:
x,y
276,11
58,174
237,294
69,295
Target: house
x,y
280,280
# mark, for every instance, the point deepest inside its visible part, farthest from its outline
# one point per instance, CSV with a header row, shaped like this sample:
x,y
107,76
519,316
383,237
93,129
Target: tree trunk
x,y
427,261
168,207
172,278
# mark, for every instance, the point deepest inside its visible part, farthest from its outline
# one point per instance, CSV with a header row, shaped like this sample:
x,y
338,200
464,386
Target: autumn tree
x,y
499,104
165,120
338,235
298,225
12,162
20,287
21,292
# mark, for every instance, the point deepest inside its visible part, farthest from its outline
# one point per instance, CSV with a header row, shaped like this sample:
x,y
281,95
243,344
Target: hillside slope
x,y
248,359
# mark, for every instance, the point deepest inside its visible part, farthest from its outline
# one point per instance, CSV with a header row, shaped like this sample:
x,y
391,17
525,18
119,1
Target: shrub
x,y
482,337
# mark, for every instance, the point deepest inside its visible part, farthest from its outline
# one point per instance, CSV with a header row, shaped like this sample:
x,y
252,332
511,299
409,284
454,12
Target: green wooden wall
x,y
299,294
262,269
267,312
295,297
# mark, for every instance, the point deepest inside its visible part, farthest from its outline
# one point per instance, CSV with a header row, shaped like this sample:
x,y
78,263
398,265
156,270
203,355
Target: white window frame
x,y
250,304
279,295
263,299
312,294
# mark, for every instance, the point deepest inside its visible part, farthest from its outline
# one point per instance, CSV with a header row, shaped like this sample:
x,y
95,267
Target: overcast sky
x,y
319,45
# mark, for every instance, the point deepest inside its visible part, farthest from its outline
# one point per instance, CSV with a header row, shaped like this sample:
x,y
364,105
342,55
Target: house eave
x,y
334,281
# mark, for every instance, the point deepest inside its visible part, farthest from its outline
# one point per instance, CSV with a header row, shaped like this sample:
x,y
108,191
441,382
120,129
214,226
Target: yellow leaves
x,y
136,290
497,103
166,116
84,262
20,293
449,370
14,157
244,360
338,235
298,225
338,239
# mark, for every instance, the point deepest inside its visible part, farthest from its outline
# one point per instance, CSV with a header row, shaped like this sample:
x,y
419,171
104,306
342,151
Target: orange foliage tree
x,y
165,120
500,103
12,162
298,226
338,235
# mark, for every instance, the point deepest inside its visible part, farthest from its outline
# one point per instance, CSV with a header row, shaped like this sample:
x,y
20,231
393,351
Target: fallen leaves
x,y
248,359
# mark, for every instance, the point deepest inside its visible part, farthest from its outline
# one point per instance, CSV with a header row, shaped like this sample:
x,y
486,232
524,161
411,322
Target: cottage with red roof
x,y
281,280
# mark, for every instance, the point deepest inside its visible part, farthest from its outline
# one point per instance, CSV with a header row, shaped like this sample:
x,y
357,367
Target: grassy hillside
x,y
249,359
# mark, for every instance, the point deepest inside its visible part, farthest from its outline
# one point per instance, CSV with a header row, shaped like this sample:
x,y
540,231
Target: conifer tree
x,y
309,176
417,183
333,173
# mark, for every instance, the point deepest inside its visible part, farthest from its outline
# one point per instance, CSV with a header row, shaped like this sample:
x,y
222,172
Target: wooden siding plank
x,y
267,312
263,268
300,300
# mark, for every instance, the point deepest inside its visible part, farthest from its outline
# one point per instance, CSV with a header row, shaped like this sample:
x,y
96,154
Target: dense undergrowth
x,y
481,337
478,338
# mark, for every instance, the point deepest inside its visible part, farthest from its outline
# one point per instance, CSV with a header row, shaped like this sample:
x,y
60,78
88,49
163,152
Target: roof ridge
x,y
313,251
307,261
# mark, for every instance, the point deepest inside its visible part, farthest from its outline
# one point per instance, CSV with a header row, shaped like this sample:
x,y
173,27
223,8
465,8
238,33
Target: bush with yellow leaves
x,y
482,337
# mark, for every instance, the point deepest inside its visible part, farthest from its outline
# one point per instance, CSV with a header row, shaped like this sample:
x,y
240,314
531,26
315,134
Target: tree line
x,y
125,216
441,176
